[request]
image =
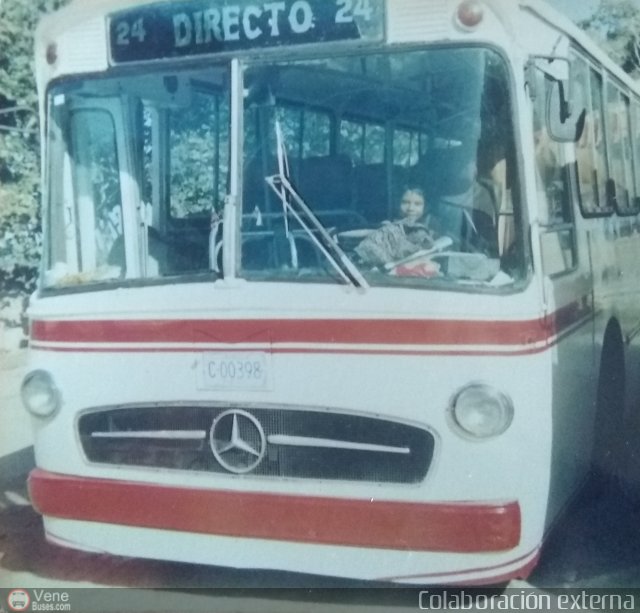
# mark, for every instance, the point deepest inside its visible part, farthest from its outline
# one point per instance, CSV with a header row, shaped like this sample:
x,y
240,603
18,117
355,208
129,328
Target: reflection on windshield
x,y
405,162
406,158
139,172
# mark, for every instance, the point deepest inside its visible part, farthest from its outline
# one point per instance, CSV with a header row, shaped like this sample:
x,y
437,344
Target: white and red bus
x,y
222,373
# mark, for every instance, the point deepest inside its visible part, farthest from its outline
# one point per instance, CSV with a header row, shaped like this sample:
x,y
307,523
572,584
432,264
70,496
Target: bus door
x,y
568,289
102,194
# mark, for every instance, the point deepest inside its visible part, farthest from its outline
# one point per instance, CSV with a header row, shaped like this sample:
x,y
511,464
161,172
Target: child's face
x,y
412,205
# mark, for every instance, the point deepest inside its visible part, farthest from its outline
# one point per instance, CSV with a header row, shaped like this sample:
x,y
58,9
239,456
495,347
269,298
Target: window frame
x,y
604,207
567,175
622,100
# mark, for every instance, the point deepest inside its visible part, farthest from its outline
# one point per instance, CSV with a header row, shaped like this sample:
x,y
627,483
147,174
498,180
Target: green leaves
x,y
616,27
20,235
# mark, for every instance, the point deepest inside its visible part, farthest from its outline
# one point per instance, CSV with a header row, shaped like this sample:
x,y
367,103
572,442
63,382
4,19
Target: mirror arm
x,y
565,103
530,78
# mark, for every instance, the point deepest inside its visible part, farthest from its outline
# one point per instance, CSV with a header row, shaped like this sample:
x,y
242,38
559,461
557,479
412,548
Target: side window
x,y
630,171
599,143
291,123
185,153
148,119
364,143
198,138
558,242
306,132
374,144
590,149
552,177
316,134
351,140
619,149
406,148
635,142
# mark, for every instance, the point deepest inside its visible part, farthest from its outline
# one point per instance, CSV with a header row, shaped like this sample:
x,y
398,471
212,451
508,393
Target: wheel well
x,y
610,401
612,371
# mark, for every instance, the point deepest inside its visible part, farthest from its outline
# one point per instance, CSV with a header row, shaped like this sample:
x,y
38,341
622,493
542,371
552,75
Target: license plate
x,y
236,371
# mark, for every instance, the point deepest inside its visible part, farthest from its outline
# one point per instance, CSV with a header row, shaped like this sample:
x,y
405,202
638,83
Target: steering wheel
x,y
439,245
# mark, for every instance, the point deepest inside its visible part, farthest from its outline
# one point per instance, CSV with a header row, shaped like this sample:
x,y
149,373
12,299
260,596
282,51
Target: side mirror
x,y
564,123
565,105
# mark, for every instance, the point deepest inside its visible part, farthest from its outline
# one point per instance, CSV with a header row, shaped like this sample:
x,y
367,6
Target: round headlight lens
x,y
481,411
40,395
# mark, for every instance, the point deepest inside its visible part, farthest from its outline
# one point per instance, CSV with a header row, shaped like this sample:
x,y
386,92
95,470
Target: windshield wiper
x,y
293,203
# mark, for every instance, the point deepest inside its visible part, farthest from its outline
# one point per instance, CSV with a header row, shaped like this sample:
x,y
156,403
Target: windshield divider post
x,y
232,210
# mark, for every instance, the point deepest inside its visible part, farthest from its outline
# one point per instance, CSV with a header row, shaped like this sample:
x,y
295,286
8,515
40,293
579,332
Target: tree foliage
x,y
19,145
615,25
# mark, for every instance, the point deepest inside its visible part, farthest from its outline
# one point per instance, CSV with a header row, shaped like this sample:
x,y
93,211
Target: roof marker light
x,y
469,14
52,54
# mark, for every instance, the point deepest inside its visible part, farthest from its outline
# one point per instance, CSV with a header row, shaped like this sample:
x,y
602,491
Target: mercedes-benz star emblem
x,y
238,441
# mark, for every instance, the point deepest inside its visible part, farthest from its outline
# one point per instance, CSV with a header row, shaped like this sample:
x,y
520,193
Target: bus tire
x,y
608,456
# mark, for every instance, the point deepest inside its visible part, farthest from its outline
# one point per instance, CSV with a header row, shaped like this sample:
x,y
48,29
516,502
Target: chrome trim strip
x,y
177,435
307,441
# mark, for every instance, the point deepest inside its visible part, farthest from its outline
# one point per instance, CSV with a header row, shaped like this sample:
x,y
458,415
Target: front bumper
x,y
456,527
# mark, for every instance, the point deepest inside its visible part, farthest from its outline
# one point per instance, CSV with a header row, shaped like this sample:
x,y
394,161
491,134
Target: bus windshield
x,y
405,160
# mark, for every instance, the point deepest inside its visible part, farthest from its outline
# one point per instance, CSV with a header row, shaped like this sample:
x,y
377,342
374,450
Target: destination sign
x,y
197,27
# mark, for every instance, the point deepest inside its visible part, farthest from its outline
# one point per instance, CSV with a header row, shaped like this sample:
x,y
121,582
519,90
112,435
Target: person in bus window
x,y
395,240
468,210
412,205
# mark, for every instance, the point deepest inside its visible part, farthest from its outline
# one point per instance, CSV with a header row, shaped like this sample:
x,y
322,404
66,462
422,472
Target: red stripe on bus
x,y
332,331
451,527
298,351
319,331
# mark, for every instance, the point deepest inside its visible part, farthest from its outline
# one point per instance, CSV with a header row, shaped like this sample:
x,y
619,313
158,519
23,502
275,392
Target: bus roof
x,y
79,12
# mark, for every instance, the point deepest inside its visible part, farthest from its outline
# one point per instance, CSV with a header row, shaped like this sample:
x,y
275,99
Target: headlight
x,y
481,411
40,395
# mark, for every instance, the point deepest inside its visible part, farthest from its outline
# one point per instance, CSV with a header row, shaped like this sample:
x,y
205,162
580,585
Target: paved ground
x,y
596,545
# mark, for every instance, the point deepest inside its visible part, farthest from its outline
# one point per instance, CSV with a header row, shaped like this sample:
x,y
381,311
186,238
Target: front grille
x,y
273,442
